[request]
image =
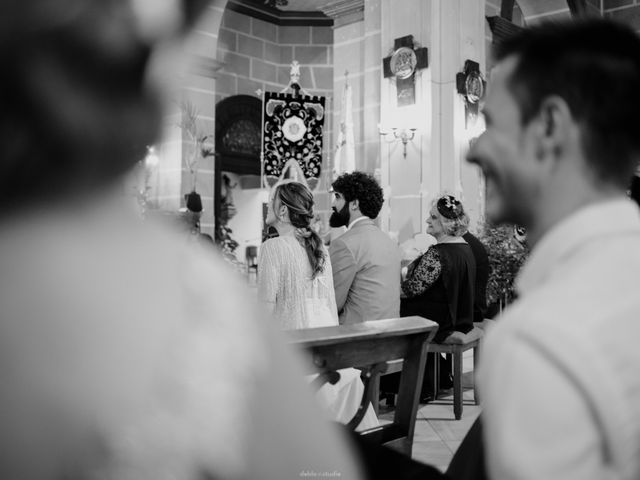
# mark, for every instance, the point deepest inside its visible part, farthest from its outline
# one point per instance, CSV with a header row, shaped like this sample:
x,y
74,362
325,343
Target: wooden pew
x,y
369,346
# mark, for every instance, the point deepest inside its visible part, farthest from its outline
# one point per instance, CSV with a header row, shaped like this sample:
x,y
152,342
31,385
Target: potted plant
x,y
198,146
507,251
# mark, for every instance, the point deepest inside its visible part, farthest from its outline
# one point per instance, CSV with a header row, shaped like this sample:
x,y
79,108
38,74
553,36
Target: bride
x,y
295,282
295,278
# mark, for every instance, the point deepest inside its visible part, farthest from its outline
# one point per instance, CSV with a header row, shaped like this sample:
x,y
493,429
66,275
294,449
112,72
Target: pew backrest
x,y
369,346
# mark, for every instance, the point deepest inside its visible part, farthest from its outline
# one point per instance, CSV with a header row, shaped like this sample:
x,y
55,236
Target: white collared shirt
x,y
364,217
559,373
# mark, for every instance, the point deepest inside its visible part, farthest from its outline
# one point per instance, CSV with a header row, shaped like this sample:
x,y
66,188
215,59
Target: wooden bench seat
x,y
455,350
369,346
457,344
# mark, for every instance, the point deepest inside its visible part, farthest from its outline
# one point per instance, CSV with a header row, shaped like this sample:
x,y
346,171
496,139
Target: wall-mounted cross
x,y
471,85
402,64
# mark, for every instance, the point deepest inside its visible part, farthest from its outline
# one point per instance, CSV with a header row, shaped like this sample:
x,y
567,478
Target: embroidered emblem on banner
x,y
292,129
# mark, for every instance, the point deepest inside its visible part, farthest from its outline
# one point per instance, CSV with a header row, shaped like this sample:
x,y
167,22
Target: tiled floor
x,y
437,433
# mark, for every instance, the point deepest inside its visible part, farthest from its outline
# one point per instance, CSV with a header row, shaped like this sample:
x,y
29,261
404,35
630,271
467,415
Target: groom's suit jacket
x,y
366,274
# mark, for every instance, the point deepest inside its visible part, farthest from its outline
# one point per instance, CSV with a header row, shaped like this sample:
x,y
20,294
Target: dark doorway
x,y
238,145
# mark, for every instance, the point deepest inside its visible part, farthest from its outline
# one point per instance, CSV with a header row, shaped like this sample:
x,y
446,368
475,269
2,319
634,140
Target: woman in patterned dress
x,y
439,285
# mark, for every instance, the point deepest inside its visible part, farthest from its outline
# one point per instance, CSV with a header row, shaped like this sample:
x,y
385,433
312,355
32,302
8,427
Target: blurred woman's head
x,y
447,218
77,111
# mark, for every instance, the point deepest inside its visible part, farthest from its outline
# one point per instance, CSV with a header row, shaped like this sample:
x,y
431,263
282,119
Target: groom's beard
x,y
340,218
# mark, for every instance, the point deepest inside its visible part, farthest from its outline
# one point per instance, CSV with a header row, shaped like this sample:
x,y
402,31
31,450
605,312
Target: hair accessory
x,y
450,207
302,232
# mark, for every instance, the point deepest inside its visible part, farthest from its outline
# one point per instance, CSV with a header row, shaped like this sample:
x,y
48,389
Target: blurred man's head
x,y
560,112
355,194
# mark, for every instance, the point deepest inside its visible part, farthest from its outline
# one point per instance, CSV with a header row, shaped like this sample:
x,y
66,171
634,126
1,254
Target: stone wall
x,y
257,55
357,50
253,54
197,85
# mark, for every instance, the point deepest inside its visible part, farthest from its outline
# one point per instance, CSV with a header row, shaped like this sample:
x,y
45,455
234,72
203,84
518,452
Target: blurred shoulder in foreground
x,y
125,353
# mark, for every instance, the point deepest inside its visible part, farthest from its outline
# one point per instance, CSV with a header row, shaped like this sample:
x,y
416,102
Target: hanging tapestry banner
x,y
292,130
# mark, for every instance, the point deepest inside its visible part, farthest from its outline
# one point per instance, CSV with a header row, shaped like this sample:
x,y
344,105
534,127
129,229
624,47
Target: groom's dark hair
x,y
362,187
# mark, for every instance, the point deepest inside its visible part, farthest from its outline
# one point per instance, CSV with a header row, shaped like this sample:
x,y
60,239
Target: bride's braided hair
x,y
299,200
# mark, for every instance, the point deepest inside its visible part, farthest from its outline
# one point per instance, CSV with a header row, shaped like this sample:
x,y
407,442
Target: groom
x,y
365,261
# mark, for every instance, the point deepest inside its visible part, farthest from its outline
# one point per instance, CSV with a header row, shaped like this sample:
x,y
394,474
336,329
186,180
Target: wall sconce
x,y
402,134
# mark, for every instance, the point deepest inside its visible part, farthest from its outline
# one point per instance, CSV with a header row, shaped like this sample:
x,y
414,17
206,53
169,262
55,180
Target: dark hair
x,y
594,66
299,201
362,187
76,109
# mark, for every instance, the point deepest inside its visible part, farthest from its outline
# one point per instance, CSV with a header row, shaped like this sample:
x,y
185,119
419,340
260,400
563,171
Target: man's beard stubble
x,y
340,218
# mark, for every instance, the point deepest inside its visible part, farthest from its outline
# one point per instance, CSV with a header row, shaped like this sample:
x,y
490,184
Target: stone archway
x,y
238,144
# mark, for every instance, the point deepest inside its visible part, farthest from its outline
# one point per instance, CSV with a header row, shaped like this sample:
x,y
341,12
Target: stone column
x,y
453,31
196,85
406,178
458,35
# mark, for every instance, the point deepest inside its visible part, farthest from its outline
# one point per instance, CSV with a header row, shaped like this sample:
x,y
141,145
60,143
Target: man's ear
x,y
354,204
554,123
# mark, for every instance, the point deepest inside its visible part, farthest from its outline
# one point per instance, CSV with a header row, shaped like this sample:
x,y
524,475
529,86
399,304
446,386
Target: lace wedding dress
x,y
285,284
298,301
